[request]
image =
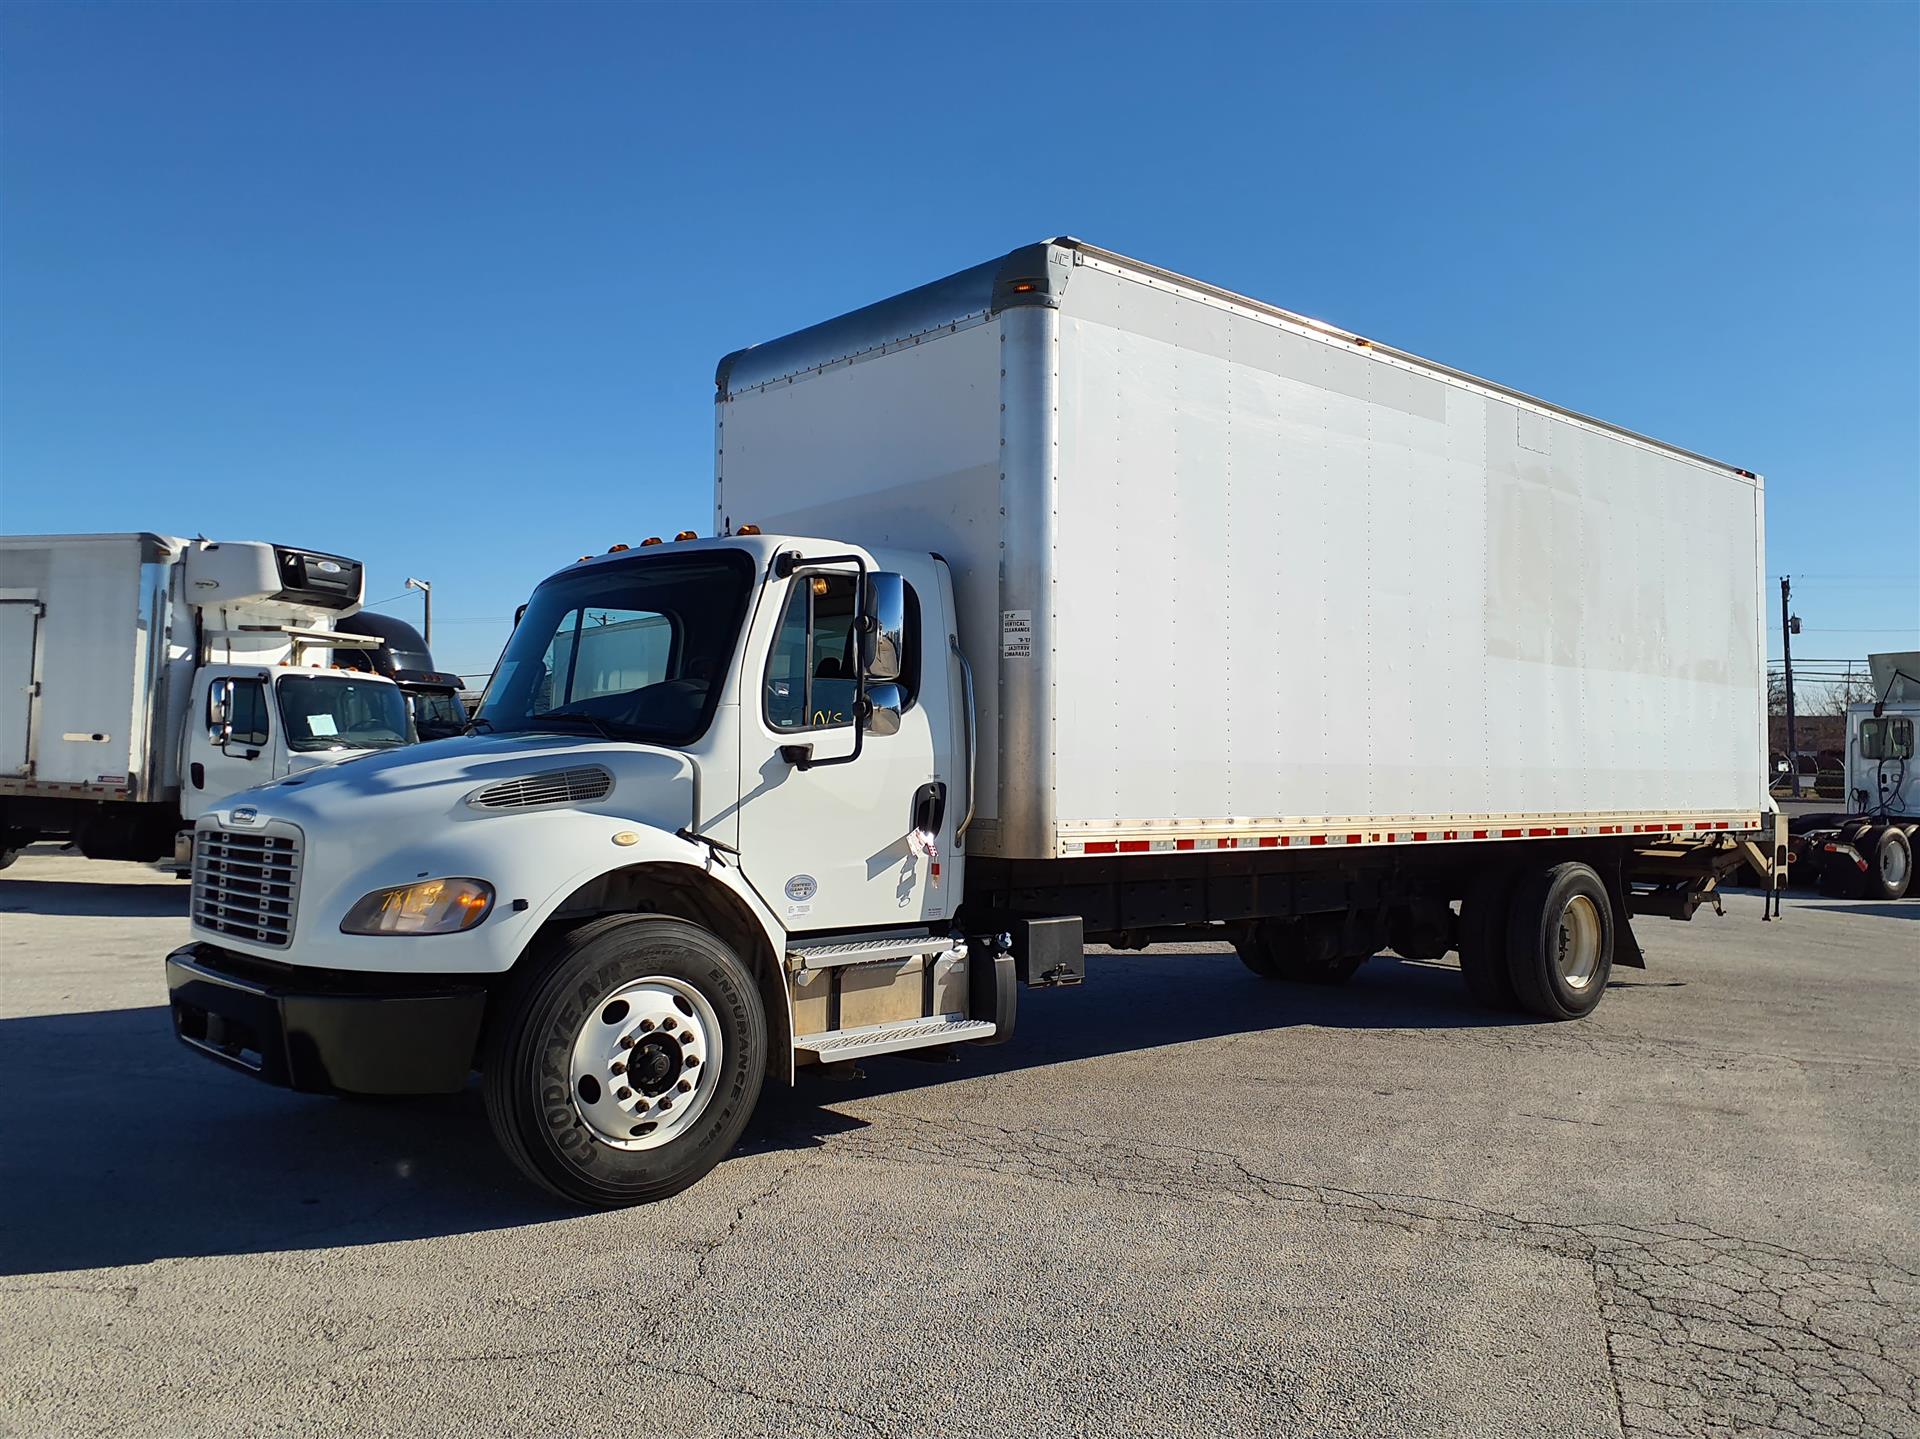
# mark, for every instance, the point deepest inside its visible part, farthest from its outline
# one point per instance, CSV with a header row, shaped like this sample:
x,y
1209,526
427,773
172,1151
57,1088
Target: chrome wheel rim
x,y
1894,861
1579,932
646,1063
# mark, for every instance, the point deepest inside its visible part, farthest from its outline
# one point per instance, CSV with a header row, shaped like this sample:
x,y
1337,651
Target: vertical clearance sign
x,y
1016,634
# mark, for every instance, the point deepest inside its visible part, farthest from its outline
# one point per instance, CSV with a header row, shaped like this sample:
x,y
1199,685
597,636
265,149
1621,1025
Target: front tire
x,y
626,1061
1889,864
1560,941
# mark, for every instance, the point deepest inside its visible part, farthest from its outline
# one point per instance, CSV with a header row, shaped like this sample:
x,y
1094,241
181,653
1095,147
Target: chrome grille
x,y
554,786
245,884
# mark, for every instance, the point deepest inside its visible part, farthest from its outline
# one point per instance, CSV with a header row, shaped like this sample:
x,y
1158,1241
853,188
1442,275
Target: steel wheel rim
x,y
1893,863
1577,953
646,1063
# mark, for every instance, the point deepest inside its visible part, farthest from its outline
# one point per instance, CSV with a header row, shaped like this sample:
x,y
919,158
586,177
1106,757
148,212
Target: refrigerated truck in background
x,y
144,676
1063,599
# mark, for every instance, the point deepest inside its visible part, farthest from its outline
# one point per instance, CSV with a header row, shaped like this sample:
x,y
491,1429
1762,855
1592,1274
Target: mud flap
x,y
1626,948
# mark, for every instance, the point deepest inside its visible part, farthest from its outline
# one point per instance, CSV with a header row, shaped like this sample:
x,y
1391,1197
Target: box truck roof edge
x,y
1037,274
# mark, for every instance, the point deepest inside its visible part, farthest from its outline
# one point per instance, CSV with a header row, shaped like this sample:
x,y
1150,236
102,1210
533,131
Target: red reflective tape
x,y
1229,844
1100,846
1419,834
1721,825
1316,839
1510,834
1133,846
1479,834
1561,830
1674,827
1183,844
1540,833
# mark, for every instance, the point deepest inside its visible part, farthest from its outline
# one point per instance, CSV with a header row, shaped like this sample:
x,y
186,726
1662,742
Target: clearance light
x,y
819,584
748,530
685,535
583,559
1024,287
615,549
435,906
649,540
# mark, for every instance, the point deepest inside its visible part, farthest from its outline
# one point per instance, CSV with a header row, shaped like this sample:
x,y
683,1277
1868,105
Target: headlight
x,y
433,906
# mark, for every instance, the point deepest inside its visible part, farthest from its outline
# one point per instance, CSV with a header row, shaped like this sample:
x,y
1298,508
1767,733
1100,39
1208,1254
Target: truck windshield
x,y
636,649
336,712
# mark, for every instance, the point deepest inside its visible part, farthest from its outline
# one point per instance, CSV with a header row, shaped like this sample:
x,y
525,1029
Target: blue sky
x,y
442,286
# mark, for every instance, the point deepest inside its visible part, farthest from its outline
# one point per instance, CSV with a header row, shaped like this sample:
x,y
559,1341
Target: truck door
x,y
229,740
19,681
832,847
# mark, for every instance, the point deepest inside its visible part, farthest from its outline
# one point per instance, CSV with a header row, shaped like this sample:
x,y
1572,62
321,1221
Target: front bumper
x,y
324,1031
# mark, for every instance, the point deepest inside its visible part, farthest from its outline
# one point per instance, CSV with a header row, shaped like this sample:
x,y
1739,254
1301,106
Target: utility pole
x,y
426,622
1788,624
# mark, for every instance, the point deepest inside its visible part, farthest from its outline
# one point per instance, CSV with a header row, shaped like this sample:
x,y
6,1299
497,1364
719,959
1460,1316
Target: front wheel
x,y
1889,864
626,1061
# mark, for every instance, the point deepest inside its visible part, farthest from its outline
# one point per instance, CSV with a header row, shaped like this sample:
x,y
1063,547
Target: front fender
x,y
535,861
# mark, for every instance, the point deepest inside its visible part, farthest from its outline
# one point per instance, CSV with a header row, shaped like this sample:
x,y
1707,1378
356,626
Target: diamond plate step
x,y
886,1038
829,954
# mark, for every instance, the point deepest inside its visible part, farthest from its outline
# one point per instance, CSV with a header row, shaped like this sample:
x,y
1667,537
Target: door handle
x,y
930,807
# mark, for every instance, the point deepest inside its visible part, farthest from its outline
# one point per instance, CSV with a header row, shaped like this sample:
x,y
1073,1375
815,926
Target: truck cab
x,y
709,780
400,653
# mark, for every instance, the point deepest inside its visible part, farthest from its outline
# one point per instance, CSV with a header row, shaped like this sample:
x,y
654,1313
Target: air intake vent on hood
x,y
554,786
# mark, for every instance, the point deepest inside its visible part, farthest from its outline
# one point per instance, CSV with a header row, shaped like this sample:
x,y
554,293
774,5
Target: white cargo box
x,y
1231,577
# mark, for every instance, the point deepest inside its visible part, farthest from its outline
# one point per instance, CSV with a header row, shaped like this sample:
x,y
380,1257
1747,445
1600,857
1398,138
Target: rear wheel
x,y
626,1061
1483,938
1889,864
1560,941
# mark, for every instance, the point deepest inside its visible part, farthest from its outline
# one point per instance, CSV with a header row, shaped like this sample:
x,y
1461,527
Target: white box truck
x,y
143,677
1061,599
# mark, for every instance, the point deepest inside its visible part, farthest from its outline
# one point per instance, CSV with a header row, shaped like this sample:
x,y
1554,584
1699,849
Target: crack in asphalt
x,y
1708,1333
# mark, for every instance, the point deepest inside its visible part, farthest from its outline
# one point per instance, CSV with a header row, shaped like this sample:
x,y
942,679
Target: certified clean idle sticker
x,y
1016,634
802,887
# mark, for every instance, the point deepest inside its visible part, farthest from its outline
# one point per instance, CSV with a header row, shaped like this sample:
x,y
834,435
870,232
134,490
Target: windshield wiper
x,y
594,722
475,723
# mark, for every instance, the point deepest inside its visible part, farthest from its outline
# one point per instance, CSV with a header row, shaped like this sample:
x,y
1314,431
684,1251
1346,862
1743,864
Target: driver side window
x,y
248,712
811,673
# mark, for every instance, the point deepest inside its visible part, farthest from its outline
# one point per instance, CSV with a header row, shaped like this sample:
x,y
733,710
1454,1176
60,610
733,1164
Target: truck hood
x,y
390,795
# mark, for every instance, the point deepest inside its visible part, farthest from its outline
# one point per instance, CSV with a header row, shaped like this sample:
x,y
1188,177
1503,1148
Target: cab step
x,y
831,954
842,1044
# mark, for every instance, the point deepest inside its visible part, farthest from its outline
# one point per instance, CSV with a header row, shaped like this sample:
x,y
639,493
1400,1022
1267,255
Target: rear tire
x,y
615,1027
1560,941
1483,938
1889,864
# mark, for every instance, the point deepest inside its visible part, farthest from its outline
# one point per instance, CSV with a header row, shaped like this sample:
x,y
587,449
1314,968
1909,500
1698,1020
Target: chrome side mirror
x,y
884,703
220,711
883,638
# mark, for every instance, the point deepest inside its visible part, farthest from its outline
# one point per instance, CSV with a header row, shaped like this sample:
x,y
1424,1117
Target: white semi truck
x,y
1063,599
143,677
1866,851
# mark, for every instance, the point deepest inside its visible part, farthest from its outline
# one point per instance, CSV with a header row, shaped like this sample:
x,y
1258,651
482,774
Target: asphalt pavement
x,y
1179,1201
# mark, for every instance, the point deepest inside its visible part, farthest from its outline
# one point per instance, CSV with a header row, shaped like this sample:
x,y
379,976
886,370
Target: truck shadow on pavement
x,y
118,1146
89,897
